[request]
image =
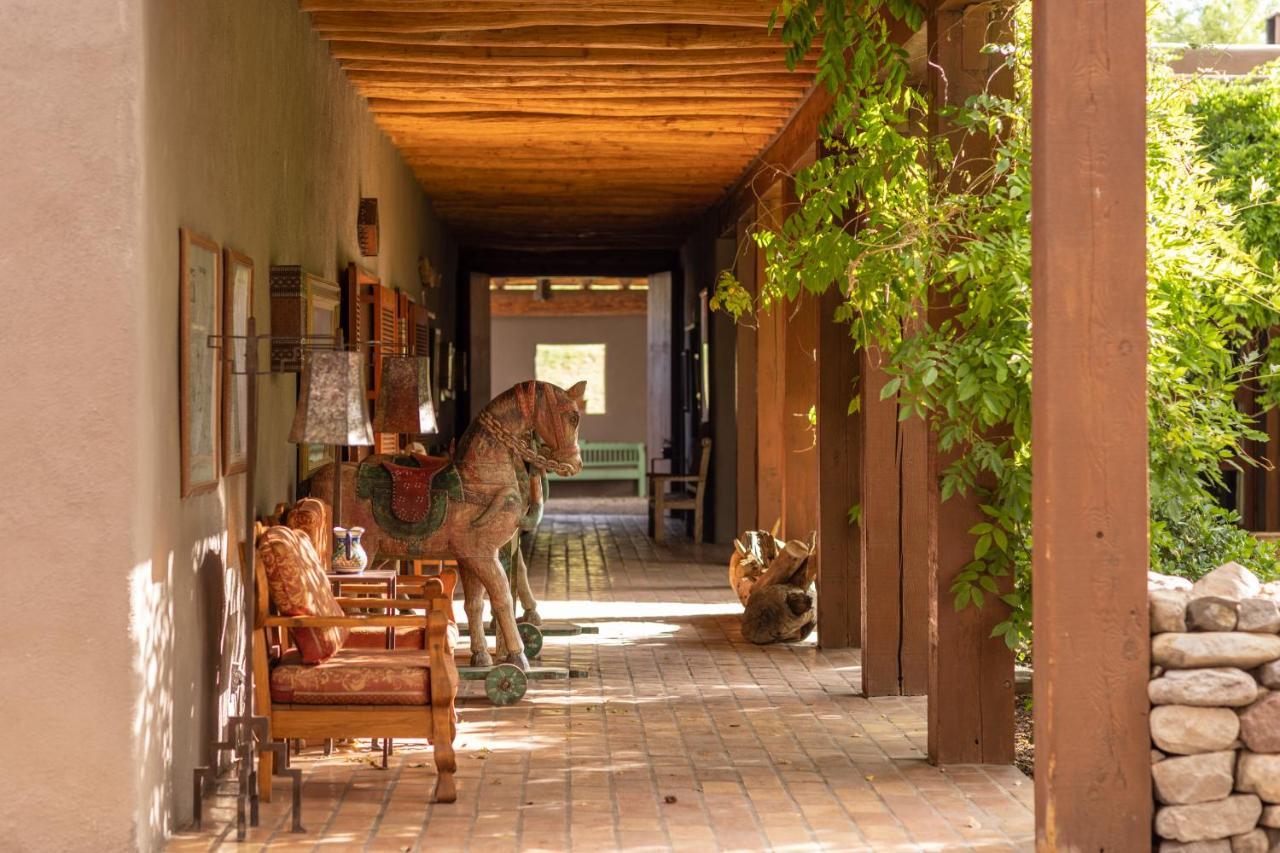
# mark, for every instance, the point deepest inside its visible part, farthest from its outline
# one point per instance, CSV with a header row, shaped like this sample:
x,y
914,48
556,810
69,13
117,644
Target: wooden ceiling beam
x,y
587,85
467,93
657,37
762,112
760,8
569,303
570,55
393,70
521,19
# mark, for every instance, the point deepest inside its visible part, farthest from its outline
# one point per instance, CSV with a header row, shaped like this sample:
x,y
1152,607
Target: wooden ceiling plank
x,y
417,21
663,37
772,111
568,55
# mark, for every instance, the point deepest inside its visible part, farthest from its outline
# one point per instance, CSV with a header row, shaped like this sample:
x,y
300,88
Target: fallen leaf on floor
x,y
735,725
420,763
669,799
974,823
870,778
855,734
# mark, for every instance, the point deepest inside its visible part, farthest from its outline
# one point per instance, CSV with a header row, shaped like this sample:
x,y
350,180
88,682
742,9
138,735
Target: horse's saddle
x,y
411,485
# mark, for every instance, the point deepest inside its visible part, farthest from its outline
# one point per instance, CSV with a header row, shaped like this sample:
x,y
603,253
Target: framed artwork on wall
x,y
237,308
322,313
198,373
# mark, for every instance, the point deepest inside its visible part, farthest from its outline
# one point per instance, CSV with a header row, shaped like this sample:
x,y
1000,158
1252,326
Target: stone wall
x,y
1215,716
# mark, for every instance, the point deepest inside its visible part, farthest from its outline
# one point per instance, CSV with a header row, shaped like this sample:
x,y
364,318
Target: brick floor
x,y
685,737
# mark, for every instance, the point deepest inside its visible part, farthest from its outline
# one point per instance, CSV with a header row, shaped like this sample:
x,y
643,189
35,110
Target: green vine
x,y
935,227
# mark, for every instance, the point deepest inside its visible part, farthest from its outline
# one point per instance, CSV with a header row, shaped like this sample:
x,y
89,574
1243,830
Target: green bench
x,y
611,460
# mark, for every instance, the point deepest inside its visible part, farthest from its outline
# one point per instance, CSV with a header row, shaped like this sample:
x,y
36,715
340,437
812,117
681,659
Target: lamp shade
x,y
333,406
404,399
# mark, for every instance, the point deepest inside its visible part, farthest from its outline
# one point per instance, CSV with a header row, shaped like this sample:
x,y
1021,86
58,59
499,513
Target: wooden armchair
x,y
687,497
354,692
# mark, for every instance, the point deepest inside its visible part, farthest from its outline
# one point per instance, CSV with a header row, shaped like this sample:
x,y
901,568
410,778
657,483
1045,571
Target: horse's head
x,y
554,416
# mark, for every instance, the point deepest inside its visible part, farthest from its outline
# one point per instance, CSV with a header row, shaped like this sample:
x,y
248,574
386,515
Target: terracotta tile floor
x,y
683,738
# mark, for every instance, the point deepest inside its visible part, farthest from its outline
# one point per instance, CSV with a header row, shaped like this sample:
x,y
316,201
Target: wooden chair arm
x,y
384,603
343,622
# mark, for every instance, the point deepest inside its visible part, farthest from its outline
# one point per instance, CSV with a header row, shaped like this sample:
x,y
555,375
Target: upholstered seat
x,y
354,677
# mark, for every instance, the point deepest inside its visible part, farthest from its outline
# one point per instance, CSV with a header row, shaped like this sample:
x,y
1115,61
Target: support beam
x,y
770,384
1089,416
839,483
745,389
894,541
799,327
481,339
971,693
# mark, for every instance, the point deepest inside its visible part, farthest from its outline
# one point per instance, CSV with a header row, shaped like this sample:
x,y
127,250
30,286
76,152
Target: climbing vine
x,y
931,247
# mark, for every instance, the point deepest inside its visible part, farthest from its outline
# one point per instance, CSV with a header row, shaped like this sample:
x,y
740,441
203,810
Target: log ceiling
x,y
569,124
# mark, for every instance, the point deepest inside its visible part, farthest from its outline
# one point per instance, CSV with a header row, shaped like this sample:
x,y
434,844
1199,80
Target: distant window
x,y
568,364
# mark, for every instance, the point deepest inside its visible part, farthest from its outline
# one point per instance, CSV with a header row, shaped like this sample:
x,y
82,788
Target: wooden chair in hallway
x,y
688,494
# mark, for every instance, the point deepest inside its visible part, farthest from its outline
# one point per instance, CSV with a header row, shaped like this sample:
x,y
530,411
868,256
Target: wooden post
x,y
894,539
1089,416
970,673
481,336
659,369
770,386
839,483
745,384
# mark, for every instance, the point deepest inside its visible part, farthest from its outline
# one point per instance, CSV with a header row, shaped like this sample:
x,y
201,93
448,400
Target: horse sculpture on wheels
x,y
467,508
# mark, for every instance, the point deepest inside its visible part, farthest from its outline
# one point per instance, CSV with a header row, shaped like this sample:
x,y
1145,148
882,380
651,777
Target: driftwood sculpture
x,y
772,581
467,508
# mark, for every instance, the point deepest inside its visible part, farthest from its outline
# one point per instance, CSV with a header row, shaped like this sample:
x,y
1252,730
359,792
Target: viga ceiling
x,y
569,123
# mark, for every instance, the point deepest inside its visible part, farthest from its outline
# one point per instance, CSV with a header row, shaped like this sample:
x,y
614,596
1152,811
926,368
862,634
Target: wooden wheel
x,y
505,684
531,636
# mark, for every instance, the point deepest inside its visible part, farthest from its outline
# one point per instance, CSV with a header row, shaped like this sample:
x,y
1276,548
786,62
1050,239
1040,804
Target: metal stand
x,y
247,735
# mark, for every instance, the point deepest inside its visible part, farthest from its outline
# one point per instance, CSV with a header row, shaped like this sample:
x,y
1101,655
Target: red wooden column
x,y
745,384
770,385
839,486
1089,416
970,672
800,394
895,540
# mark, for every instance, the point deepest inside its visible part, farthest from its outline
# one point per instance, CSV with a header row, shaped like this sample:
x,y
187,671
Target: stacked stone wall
x,y
1215,715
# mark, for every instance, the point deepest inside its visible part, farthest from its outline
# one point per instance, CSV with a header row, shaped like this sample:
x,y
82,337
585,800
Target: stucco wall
x,y
70,225
515,341
253,138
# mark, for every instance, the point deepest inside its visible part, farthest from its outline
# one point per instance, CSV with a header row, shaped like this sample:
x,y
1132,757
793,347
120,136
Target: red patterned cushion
x,y
354,677
299,588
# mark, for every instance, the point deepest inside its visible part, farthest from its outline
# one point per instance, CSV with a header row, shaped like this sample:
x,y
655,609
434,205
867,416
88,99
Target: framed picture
x,y
450,367
237,308
437,344
198,373
313,457
322,300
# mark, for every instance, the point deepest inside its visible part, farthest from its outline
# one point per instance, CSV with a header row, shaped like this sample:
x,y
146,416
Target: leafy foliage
x,y
1210,21
930,245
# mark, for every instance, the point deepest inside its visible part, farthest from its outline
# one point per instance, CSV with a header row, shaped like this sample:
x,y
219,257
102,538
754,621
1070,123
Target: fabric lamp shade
x,y
404,399
333,406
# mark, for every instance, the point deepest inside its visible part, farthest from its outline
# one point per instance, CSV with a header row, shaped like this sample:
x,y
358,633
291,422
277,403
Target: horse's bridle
x,y
526,395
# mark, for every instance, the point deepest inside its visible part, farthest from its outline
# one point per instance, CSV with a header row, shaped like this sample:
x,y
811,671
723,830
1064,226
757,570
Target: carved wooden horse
x,y
415,507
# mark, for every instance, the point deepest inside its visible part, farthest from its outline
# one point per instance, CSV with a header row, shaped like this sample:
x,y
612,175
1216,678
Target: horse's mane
x,y
503,407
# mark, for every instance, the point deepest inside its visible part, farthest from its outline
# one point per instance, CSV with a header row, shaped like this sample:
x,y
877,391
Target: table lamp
x,y
404,399
333,408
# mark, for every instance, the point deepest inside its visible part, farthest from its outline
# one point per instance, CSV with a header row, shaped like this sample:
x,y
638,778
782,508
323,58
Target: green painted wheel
x,y
505,684
531,636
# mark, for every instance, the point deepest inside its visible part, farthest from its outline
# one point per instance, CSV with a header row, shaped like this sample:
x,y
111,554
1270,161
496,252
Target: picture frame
x,y
322,315
237,308
450,370
437,346
199,299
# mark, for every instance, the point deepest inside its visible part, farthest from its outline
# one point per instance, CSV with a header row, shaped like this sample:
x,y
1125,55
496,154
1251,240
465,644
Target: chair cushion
x,y
311,516
354,677
299,588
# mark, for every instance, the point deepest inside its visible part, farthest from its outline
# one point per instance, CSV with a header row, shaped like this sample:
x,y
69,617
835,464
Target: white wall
x,y
122,121
71,244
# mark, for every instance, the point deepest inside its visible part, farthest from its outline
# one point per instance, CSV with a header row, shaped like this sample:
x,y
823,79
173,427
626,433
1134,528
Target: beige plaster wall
x,y
253,138
70,236
121,121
